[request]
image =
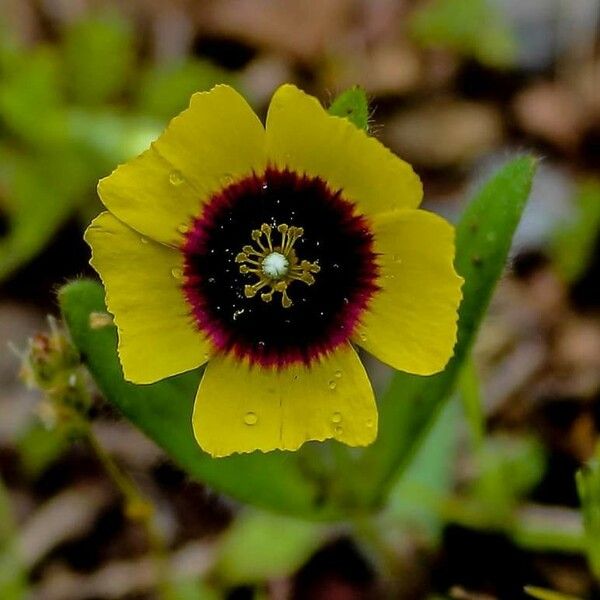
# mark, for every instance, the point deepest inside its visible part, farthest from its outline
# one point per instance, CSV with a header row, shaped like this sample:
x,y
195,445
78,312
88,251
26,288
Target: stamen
x,y
275,266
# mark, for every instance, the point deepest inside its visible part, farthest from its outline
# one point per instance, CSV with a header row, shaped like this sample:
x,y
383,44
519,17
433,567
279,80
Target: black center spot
x,y
323,315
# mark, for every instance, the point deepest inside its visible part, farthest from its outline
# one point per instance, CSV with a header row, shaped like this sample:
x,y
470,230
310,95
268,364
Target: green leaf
x,y
413,499
352,105
163,411
31,104
165,90
13,580
544,594
39,447
470,395
588,487
409,407
261,546
470,27
99,57
43,189
574,242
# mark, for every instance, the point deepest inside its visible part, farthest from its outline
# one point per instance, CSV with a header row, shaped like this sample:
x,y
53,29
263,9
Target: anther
x,y
275,266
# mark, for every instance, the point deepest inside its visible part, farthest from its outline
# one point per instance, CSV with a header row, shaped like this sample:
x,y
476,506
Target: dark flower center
x,y
279,268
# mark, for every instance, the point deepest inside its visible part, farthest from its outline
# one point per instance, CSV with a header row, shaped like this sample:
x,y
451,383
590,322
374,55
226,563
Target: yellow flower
x,y
268,253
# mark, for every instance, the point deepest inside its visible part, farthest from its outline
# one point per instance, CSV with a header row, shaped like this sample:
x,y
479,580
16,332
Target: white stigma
x,y
275,265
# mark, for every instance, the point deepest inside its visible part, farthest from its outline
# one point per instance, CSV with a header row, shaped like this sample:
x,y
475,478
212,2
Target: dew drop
x,y
237,314
332,385
369,423
143,240
250,418
339,430
261,345
362,336
336,417
177,273
338,374
211,280
175,178
397,258
182,228
265,186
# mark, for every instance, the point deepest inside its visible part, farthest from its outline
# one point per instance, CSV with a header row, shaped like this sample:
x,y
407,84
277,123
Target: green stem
x,y
137,507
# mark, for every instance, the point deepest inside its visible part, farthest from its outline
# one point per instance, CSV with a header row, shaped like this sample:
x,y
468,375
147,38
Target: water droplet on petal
x,y
362,336
338,374
397,258
177,273
143,240
332,385
182,228
338,430
250,418
336,417
369,423
261,345
176,178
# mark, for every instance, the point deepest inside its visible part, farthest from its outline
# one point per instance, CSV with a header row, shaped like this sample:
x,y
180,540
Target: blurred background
x,y
456,86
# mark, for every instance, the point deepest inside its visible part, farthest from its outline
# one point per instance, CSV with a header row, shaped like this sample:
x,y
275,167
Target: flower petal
x,y
302,136
241,408
157,337
411,322
217,140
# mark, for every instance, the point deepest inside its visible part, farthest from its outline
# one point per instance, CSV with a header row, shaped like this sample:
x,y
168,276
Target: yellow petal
x,y
241,408
411,322
302,136
157,337
217,140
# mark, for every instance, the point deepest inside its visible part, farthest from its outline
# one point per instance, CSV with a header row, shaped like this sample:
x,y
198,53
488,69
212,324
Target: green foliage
x,y
98,57
415,497
574,242
409,407
470,27
354,106
45,187
31,89
302,483
588,487
68,119
12,574
40,446
165,90
544,594
508,468
262,546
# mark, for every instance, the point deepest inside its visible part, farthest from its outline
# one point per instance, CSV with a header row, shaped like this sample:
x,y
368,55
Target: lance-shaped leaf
x,y
407,410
